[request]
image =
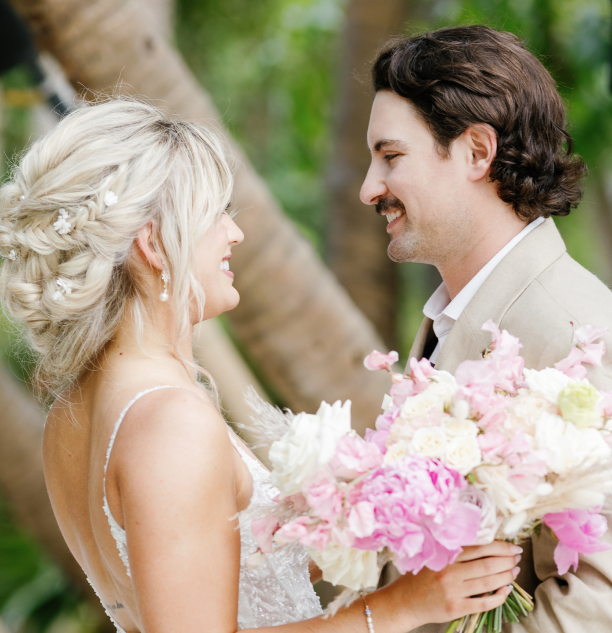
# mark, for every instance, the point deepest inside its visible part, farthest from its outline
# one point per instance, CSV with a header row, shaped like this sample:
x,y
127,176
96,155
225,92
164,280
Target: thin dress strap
x,y
116,530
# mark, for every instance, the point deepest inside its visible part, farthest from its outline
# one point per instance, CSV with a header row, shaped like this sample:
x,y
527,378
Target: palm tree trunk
x,y
357,246
294,320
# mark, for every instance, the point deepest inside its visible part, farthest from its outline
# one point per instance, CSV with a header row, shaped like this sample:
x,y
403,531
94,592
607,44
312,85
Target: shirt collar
x,y
444,312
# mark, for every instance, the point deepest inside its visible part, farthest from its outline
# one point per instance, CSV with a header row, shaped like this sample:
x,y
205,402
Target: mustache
x,y
389,202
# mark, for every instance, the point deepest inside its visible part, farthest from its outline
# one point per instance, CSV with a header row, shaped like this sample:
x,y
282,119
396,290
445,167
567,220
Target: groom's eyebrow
x,y
386,143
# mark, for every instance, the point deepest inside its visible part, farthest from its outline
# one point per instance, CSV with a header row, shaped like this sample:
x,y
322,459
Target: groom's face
x,y
422,194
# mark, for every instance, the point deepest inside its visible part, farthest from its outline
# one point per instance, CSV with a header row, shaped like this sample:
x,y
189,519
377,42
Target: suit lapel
x,y
528,259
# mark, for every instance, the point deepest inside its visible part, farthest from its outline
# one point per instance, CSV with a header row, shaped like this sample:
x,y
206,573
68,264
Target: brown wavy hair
x,y
460,76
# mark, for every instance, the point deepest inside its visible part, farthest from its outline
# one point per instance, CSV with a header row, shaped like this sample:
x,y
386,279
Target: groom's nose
x,y
373,188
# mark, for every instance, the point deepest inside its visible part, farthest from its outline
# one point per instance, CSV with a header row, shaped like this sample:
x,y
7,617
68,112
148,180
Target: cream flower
x,y
463,454
397,451
64,288
569,448
430,442
419,406
507,498
310,441
61,225
110,199
526,410
459,428
353,568
445,386
547,382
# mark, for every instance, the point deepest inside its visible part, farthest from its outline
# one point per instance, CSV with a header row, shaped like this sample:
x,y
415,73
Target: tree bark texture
x,y
357,244
295,320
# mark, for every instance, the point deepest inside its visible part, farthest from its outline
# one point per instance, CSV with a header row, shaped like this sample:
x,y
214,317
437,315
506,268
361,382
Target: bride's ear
x,y
145,244
481,139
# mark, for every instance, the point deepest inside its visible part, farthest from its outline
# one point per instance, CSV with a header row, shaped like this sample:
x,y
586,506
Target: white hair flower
x,y
110,199
12,255
64,288
62,226
22,198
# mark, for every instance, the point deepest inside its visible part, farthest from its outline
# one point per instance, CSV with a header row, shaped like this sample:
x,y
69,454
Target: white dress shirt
x,y
444,312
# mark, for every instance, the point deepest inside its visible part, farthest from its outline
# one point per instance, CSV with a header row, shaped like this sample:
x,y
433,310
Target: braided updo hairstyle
x,y
70,214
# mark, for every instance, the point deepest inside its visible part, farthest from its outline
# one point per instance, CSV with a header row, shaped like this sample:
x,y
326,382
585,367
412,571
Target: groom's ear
x,y
481,140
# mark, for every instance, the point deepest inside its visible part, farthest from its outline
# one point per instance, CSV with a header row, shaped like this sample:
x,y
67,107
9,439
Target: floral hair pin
x,y
12,255
62,226
64,288
110,199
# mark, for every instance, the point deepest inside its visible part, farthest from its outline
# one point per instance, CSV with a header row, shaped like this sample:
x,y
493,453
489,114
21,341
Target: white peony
x,y
526,410
310,441
429,441
353,568
568,447
459,428
463,454
548,382
397,451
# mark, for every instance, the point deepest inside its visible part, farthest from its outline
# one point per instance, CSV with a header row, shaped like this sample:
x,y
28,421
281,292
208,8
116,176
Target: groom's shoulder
x,y
562,298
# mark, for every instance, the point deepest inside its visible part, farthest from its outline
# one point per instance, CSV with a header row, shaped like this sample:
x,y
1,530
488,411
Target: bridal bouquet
x,y
495,451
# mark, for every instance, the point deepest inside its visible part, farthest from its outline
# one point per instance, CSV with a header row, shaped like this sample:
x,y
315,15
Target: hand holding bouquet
x,y
492,452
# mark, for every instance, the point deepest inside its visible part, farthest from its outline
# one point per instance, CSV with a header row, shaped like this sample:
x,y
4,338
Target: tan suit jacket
x,y
540,294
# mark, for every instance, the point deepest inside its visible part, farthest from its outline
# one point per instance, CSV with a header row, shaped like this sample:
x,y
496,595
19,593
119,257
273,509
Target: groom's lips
x,y
395,222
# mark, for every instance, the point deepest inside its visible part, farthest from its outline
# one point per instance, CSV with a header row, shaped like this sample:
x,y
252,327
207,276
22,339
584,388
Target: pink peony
x,y
295,530
322,494
377,360
263,529
377,437
417,513
354,456
578,532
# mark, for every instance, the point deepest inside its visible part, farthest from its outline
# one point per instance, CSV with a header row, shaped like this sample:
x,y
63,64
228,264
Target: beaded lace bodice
x,y
279,591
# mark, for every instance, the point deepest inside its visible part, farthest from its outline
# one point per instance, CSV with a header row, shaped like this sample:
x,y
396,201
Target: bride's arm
x,y
178,492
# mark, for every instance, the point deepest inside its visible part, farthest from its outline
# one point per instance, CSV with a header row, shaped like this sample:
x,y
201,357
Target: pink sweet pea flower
x,y
321,492
476,380
263,529
377,360
586,351
422,370
354,456
402,390
578,532
588,334
377,437
295,530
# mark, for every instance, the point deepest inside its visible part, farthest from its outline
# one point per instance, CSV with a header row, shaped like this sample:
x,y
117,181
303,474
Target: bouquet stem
x,y
519,602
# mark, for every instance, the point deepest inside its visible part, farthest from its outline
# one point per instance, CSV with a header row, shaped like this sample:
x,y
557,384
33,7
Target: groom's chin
x,y
400,251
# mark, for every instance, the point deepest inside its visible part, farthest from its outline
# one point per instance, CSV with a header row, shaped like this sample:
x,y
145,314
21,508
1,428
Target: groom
x,y
470,159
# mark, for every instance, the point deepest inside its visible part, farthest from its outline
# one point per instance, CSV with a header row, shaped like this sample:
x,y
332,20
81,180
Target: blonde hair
x,y
172,173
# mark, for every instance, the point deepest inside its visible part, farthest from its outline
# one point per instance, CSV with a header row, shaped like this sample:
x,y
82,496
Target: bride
x,y
116,243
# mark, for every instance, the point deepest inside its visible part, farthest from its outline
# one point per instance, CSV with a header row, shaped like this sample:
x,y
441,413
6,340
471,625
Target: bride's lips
x,y
227,271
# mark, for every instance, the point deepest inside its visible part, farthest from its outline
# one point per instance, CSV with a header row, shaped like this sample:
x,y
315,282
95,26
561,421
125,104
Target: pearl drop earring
x,y
164,296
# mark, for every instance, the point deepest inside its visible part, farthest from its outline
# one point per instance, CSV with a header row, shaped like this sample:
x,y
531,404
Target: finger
x,y
496,548
487,566
487,584
486,603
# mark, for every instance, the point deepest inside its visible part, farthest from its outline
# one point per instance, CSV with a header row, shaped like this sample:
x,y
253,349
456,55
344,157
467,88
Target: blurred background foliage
x,y
273,70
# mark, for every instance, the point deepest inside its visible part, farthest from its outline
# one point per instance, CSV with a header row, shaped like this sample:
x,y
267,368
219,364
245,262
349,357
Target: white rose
x,y
459,428
430,442
568,447
420,405
463,454
548,382
397,451
445,386
310,441
353,568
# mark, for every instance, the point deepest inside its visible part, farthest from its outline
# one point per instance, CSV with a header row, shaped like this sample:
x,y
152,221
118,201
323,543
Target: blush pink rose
x,y
322,494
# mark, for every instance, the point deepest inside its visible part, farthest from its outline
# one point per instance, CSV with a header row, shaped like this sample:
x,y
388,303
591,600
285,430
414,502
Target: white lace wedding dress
x,y
279,591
